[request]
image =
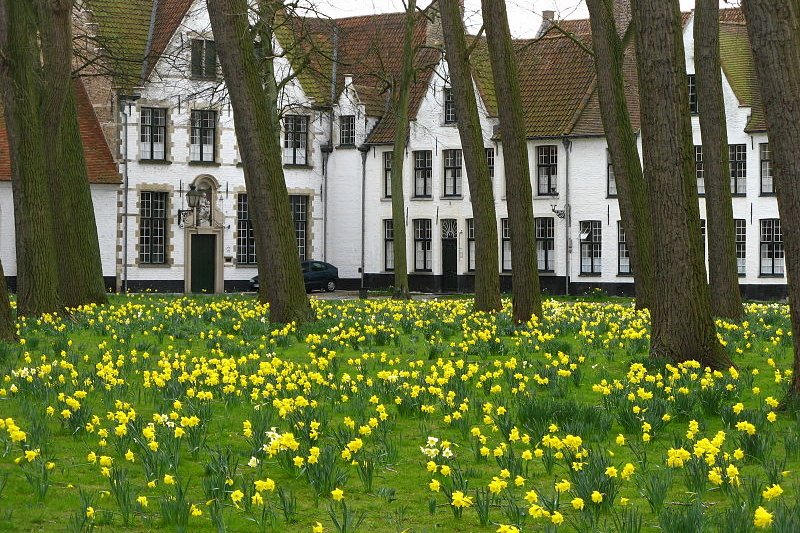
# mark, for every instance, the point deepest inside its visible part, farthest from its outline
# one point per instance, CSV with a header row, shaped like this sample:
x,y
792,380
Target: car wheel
x,y
331,286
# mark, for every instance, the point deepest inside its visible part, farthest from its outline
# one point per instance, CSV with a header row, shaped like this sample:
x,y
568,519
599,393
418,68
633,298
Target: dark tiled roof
x,y
99,162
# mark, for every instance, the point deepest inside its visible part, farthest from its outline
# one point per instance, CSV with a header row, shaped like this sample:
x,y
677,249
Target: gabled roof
x,y
99,161
168,17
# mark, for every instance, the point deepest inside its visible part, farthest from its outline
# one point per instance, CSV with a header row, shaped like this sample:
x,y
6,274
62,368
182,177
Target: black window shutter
x,y
197,57
211,59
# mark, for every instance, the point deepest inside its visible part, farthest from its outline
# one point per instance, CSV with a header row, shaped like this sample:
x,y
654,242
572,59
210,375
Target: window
x,y
545,243
623,254
423,169
295,140
703,235
505,233
299,205
737,155
471,244
449,106
452,172
152,227
698,170
591,246
771,247
610,178
388,244
423,256
767,187
741,245
245,238
387,174
153,132
693,108
347,130
490,161
203,135
204,59
547,173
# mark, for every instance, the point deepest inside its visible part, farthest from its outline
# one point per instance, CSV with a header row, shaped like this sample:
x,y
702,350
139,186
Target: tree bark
x,y
258,132
401,95
37,270
726,300
682,325
80,273
609,60
487,279
8,329
525,278
774,28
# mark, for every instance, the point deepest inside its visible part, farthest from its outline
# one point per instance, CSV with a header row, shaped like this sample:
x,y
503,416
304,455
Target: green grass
x,y
442,356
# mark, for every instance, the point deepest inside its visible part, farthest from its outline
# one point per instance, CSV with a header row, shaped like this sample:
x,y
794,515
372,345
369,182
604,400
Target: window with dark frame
x,y
772,252
505,234
611,179
295,140
423,170
299,205
388,244
703,235
153,227
204,59
471,244
245,238
152,133
623,253
545,243
767,185
449,106
591,246
490,161
347,130
387,174
737,155
547,170
693,107
203,135
698,170
452,172
740,225
423,256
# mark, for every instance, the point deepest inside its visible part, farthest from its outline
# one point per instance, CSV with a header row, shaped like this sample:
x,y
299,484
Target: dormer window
x,y
347,130
693,108
204,59
449,106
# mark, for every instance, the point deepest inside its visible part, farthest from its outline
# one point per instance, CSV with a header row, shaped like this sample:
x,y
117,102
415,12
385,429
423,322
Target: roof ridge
x,y
582,105
149,45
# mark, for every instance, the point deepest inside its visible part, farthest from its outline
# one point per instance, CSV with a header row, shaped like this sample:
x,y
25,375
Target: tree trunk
x,y
609,59
726,301
525,280
401,95
774,26
80,272
682,325
8,330
487,279
258,130
37,271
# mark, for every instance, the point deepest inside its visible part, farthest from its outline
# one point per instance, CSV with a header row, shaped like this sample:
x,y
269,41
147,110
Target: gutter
x,y
567,215
364,149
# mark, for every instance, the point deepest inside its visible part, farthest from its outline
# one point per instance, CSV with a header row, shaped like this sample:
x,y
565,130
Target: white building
x,y
338,134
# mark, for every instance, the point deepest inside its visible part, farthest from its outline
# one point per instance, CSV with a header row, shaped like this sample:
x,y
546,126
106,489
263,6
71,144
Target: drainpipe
x,y
364,151
567,215
327,150
122,101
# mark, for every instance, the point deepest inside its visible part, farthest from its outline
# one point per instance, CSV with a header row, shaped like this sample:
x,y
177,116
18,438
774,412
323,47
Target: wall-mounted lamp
x,y
560,213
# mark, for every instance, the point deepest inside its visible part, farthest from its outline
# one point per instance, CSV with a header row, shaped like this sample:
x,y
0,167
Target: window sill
x,y
625,275
299,167
554,195
451,197
739,195
421,199
453,124
505,272
590,274
155,162
204,164
547,272
424,272
771,276
386,199
154,265
767,194
346,147
612,196
245,265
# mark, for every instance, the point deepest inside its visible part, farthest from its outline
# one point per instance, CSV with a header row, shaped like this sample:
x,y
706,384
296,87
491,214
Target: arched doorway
x,y
203,236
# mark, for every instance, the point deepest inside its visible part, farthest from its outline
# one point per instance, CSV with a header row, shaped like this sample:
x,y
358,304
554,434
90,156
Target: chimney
x,y
622,16
548,16
348,80
434,36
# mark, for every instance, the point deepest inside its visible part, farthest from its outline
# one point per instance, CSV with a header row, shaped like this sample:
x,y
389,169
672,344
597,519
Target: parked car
x,y
316,275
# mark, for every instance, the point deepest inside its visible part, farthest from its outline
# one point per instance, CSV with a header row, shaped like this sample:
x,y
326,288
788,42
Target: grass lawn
x,y
196,414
